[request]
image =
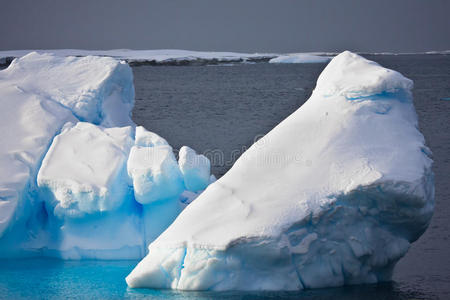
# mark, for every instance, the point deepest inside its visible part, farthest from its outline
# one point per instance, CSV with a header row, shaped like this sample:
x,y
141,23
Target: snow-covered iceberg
x,y
39,94
299,58
333,195
74,182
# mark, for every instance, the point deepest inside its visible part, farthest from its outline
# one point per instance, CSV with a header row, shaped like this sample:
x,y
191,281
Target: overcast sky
x,y
234,25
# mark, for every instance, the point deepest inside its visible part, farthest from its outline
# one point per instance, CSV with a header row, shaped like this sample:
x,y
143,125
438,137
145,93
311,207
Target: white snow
x,y
83,85
333,195
299,58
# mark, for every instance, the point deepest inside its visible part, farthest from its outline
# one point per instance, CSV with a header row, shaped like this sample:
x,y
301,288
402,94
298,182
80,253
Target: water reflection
x,y
389,290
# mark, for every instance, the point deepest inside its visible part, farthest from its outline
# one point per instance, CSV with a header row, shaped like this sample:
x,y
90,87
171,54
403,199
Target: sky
x,y
231,25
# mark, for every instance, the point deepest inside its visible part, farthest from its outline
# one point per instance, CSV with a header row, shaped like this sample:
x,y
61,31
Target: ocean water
x,y
220,111
56,279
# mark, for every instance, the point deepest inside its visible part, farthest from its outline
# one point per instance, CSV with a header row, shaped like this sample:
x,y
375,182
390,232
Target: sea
x,y
220,110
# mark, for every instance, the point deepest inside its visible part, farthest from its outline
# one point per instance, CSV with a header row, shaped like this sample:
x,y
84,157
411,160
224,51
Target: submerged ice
x,y
333,195
79,179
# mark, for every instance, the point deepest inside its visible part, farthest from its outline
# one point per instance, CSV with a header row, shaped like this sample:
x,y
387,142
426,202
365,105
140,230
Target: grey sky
x,y
234,25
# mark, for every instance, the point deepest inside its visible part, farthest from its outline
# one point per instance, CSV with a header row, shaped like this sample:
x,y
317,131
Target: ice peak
x,y
353,76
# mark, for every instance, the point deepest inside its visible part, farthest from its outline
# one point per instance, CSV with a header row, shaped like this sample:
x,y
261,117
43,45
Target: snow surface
x,y
83,85
299,58
71,158
333,195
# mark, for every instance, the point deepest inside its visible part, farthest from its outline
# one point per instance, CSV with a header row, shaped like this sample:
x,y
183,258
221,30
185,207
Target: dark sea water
x,y
220,110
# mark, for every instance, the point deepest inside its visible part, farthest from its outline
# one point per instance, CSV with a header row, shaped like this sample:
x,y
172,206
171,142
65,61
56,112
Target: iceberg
x,y
333,195
78,179
299,58
40,93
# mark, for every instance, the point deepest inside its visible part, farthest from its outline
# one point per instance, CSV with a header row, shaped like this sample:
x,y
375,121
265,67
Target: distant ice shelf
x,y
300,58
153,57
176,57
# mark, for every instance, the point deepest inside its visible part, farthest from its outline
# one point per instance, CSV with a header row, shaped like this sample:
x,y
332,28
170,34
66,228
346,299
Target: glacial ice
x,y
84,171
153,169
333,195
299,58
79,179
196,169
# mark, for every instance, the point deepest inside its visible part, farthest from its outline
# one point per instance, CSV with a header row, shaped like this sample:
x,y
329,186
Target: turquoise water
x,y
55,279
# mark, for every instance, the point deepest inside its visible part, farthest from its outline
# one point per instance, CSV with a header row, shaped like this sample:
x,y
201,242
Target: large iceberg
x,y
78,179
333,195
39,94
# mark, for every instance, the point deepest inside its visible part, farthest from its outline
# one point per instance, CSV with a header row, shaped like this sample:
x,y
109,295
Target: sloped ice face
x,y
333,195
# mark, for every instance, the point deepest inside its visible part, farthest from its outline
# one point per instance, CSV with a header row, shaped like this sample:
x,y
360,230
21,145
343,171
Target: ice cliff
x,y
78,179
333,195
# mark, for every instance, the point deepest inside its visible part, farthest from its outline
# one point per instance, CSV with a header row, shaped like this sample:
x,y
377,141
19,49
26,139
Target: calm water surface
x,y
221,110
